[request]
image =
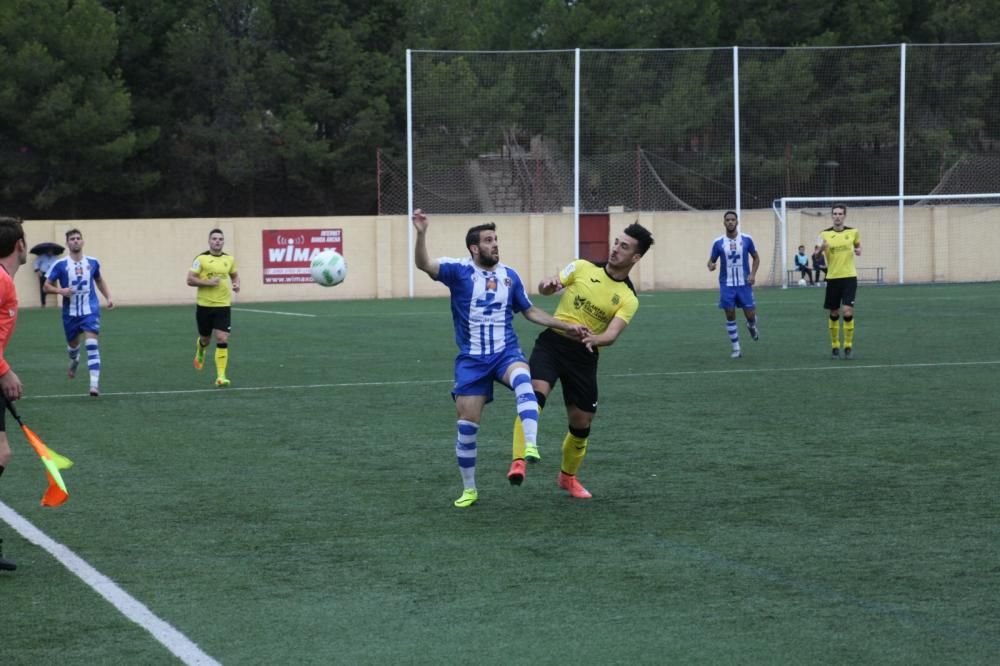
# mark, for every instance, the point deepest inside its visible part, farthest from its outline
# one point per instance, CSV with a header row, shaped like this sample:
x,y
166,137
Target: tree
x,y
66,127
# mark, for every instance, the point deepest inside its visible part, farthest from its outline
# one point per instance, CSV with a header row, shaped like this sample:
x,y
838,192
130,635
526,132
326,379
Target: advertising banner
x,y
287,252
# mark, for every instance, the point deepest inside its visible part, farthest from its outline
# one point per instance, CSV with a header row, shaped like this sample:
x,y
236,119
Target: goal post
x,y
934,238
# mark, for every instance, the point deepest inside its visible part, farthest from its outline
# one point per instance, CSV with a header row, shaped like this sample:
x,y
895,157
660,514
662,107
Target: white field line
x,y
275,312
178,644
843,365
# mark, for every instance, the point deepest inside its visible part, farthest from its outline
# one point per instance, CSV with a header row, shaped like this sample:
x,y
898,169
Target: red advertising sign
x,y
287,252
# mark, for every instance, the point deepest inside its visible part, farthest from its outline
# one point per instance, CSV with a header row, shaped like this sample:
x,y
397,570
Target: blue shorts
x,y
736,297
474,375
74,326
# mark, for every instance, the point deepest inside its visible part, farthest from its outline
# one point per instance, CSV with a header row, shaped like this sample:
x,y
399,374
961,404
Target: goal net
x,y
909,239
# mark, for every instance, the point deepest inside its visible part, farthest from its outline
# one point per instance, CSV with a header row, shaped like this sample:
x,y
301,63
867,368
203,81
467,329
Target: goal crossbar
x,y
781,206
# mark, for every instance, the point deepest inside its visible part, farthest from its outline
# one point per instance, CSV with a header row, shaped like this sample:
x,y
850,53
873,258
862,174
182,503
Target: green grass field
x,y
779,508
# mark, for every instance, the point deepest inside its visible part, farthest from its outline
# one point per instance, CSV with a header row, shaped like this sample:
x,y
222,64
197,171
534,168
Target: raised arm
x,y
421,259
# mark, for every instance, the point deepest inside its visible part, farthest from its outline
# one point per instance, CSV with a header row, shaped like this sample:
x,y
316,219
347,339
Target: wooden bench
x,y
874,274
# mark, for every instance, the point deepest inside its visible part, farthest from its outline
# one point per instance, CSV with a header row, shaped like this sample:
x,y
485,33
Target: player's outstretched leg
x,y
74,360
221,363
199,354
848,338
574,448
835,336
94,366
465,455
734,338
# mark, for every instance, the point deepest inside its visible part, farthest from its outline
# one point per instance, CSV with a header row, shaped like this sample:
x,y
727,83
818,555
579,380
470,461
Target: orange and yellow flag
x,y
56,493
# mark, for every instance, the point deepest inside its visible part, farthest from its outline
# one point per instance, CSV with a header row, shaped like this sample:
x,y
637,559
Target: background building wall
x,y
145,261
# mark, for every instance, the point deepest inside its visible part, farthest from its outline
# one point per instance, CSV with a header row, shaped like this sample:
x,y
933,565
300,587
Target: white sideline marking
x,y
275,312
340,315
178,644
849,365
839,365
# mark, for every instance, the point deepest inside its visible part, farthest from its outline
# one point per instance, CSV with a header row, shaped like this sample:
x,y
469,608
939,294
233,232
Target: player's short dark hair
x,y
11,231
840,206
640,234
730,212
216,231
472,236
72,231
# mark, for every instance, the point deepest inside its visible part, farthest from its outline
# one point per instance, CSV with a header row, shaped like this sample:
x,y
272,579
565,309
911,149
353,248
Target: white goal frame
x,y
780,207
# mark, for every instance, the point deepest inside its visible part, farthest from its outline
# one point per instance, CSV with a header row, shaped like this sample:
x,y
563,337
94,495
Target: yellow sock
x,y
517,448
849,333
517,442
573,450
835,333
221,360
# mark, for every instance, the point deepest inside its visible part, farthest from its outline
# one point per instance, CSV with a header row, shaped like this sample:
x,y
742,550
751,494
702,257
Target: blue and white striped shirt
x,y
735,255
79,276
483,303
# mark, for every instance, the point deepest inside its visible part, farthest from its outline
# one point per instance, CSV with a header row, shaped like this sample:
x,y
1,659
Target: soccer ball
x,y
802,281
328,268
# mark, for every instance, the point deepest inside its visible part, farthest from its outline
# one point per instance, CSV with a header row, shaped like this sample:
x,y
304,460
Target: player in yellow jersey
x,y
213,272
840,244
602,298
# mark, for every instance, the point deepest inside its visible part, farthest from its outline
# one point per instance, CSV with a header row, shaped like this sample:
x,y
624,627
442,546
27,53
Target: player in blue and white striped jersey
x,y
736,278
77,278
485,295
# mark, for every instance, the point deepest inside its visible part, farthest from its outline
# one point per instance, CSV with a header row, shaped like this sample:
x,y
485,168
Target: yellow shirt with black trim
x,y
593,298
207,266
840,251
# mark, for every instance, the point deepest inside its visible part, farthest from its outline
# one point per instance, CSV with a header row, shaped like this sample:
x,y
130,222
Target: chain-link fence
x,y
496,131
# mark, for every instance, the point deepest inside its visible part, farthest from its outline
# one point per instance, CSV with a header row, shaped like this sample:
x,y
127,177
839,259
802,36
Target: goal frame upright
x,y
780,207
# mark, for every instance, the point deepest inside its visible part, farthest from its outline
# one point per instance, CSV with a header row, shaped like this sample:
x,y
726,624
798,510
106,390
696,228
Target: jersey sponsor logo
x,y
489,304
595,280
581,303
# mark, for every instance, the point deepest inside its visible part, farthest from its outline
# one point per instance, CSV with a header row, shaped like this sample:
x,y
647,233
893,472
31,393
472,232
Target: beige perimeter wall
x,y
146,261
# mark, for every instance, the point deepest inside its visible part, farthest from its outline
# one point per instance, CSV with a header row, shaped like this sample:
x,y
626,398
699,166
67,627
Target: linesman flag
x,y
56,493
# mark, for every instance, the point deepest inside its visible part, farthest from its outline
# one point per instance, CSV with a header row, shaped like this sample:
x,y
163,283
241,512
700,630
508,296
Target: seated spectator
x,y
802,264
819,264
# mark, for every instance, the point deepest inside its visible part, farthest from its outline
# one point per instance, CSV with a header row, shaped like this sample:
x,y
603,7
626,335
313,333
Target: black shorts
x,y
556,357
3,419
840,291
211,319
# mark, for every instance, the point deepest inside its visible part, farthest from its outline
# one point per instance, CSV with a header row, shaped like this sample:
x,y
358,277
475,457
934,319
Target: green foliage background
x,y
118,108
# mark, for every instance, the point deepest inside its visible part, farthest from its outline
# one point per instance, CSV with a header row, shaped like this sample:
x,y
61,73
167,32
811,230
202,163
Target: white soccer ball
x,y
328,268
802,281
